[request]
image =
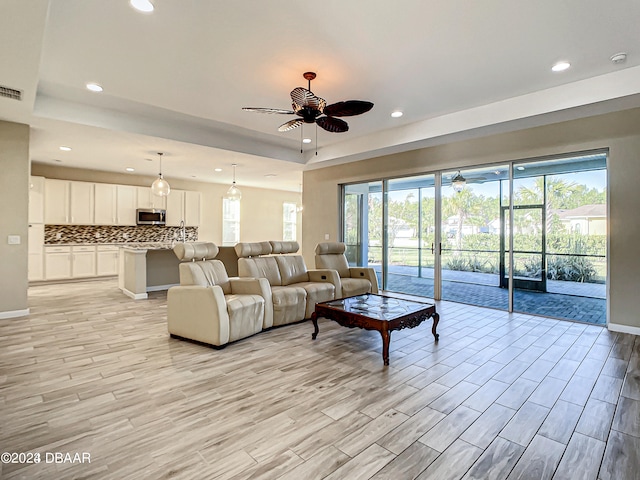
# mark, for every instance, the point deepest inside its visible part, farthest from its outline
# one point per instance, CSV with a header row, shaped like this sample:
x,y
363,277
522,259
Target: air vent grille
x,y
10,93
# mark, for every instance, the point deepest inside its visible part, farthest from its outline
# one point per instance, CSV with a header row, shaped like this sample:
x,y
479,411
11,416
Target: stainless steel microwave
x,y
151,216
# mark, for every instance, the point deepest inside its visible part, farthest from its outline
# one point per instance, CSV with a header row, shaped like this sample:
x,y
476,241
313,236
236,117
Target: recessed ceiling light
x,y
306,140
57,160
193,176
619,57
129,169
560,66
144,6
396,114
269,175
519,168
217,169
94,87
65,149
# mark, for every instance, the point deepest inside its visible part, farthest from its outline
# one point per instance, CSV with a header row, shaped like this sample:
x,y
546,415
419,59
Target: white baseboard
x,y
14,314
614,327
159,288
135,296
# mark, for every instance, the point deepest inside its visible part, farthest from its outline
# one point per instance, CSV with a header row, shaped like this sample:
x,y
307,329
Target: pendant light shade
x,y
234,192
160,186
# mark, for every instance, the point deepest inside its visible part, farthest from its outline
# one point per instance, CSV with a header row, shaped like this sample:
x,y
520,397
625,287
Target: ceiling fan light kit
x,y
458,182
313,109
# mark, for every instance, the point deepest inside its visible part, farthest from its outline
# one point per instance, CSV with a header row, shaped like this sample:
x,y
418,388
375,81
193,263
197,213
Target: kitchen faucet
x,y
183,232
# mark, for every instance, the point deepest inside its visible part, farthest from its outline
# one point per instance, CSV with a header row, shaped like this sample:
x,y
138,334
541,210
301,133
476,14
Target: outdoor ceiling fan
x,y
458,182
313,109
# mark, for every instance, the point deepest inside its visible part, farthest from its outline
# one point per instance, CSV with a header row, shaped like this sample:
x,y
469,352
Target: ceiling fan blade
x,y
333,125
301,97
290,125
348,108
268,110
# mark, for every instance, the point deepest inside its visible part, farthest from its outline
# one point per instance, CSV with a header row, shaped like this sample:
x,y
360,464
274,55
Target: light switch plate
x,y
326,236
13,239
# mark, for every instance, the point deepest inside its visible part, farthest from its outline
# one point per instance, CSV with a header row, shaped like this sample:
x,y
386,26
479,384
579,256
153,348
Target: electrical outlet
x,y
97,234
326,236
125,235
58,236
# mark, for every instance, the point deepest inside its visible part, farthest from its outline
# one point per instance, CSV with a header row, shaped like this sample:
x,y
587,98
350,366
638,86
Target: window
x,y
230,221
289,221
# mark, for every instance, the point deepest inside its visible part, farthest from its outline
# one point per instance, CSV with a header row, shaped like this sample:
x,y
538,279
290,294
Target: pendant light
x,y
160,186
234,192
458,182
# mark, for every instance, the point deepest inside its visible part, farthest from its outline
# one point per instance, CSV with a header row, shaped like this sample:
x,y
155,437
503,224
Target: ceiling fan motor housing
x,y
309,114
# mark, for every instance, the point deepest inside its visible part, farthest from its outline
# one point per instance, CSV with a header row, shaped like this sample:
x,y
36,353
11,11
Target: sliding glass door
x,y
526,236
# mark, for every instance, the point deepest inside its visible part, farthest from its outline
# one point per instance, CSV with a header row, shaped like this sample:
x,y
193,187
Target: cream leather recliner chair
x,y
355,280
210,307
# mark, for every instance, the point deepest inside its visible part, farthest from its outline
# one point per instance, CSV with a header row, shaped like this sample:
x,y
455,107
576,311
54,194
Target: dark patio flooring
x,y
456,287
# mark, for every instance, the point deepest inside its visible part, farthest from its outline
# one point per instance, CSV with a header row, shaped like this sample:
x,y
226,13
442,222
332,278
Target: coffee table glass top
x,y
377,306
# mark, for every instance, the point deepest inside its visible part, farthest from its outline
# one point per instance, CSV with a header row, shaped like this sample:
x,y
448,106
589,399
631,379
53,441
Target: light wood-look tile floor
x,y
499,397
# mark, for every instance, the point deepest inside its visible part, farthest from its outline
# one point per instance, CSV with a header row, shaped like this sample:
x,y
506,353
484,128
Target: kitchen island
x,y
147,267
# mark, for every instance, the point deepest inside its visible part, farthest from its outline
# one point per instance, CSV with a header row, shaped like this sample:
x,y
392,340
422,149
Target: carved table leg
x,y
436,319
386,339
314,319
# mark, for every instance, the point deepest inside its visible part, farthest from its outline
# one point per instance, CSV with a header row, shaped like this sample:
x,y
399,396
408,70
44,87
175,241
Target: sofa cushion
x,y
292,269
316,292
245,315
260,267
284,247
289,304
205,274
246,250
355,286
195,251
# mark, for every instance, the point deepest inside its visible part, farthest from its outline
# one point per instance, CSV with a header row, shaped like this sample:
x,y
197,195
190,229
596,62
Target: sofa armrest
x,y
327,275
198,313
368,273
255,286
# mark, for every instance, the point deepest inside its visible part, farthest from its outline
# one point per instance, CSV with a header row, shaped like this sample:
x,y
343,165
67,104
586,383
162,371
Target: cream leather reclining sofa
x,y
295,290
210,307
354,280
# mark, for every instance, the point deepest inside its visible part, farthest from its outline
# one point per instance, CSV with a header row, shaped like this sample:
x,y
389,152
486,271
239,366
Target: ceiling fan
x,y
313,109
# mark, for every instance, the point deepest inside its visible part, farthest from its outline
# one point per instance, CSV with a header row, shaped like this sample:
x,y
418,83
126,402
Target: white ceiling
x,y
175,80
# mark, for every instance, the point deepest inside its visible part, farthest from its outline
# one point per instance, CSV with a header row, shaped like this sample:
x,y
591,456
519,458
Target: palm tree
x,y
462,205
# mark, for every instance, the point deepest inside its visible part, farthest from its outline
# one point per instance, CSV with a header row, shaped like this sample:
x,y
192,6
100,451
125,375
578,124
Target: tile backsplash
x,y
61,234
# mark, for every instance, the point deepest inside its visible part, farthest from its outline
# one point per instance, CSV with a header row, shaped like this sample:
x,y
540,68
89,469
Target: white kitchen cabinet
x,y
83,261
126,204
57,263
36,252
36,200
105,204
146,199
192,209
107,260
81,203
56,202
175,208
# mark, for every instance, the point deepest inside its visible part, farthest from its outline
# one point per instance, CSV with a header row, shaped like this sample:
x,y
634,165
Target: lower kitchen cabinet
x,y
57,263
83,262
107,256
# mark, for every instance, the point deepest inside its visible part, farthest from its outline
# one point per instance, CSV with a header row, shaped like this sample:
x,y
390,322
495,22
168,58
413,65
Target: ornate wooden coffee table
x,y
376,312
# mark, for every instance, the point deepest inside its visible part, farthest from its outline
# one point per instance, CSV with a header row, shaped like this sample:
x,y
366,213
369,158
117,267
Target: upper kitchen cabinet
x,y
192,209
175,208
105,204
82,202
146,199
36,200
126,204
56,205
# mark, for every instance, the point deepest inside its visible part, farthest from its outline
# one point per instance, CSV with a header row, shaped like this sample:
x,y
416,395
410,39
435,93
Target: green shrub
x,y
570,269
